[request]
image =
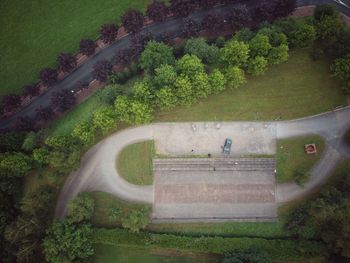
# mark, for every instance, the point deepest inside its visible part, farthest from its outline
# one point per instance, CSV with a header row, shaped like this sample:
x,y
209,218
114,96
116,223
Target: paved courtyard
x,y
208,189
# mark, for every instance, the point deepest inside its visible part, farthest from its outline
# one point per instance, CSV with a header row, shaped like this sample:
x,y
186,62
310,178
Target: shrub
x,y
155,55
81,208
102,69
85,131
66,62
213,23
239,16
235,76
87,47
235,53
132,20
200,48
217,81
157,11
189,28
63,100
31,90
108,33
11,102
105,119
44,113
257,66
181,7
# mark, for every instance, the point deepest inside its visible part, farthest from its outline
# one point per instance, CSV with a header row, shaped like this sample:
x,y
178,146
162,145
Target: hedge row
x,y
281,249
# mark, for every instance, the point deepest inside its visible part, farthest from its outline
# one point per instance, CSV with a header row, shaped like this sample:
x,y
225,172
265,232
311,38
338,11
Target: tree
x,y
276,37
63,143
122,108
11,102
140,112
201,86
44,113
63,100
35,204
136,219
184,91
157,11
104,119
165,98
278,54
239,16
155,55
341,70
263,12
132,20
303,35
108,33
48,76
85,131
142,92
102,69
283,8
328,27
182,7
189,28
24,123
30,141
11,141
213,23
235,76
257,66
41,155
165,76
235,53
123,57
325,10
66,62
31,90
259,46
138,43
252,255
81,208
189,65
200,48
340,47
217,81
68,242
15,164
87,47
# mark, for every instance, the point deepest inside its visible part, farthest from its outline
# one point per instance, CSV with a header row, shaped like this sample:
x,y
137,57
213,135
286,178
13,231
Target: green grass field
x,y
34,32
291,156
135,163
294,89
128,254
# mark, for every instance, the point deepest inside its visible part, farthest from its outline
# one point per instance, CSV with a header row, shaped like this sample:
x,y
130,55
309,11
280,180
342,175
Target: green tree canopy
x,y
235,53
259,46
251,255
303,35
81,208
30,141
199,47
142,92
189,65
155,55
165,76
15,164
136,219
165,98
184,91
341,70
217,81
105,119
257,66
278,54
201,86
235,76
85,131
66,242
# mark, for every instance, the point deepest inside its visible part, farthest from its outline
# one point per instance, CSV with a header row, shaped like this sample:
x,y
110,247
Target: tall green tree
x,y
189,65
199,47
67,242
201,85
136,219
259,46
165,76
278,55
184,91
105,119
15,165
257,66
142,92
235,53
155,55
85,131
341,70
235,77
165,98
217,81
81,208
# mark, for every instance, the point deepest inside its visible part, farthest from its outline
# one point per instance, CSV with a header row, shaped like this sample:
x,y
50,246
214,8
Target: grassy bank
x,y
291,157
34,32
134,163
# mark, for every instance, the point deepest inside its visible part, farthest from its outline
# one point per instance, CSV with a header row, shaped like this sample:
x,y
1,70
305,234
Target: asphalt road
x,y
98,172
84,72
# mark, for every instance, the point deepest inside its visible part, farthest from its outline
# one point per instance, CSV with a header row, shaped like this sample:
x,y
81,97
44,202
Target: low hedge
x,y
278,248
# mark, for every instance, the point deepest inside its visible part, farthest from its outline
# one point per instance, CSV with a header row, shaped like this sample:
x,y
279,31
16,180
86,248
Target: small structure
x,y
310,148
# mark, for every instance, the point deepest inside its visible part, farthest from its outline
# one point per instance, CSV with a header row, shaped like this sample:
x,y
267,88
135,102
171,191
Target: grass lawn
x,y
291,157
128,254
34,32
104,203
294,89
135,163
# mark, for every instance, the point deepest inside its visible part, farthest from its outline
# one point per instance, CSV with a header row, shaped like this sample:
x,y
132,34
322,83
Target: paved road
x,y
98,172
83,73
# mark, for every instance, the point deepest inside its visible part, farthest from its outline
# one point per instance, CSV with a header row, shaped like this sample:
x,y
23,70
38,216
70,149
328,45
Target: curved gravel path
x,y
98,168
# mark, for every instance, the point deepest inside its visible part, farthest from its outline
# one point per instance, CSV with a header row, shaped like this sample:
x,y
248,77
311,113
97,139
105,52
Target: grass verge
x,y
134,163
292,159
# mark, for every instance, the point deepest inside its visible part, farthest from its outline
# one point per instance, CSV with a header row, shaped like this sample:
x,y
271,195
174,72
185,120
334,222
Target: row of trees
x,y
133,21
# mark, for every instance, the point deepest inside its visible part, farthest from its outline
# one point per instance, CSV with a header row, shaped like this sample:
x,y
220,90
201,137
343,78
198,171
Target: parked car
x,y
227,146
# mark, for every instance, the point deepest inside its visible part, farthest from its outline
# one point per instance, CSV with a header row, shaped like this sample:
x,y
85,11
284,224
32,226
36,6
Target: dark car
x,y
227,146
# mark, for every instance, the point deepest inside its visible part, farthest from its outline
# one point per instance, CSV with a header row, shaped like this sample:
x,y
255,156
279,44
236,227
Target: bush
x,y
48,76
157,11
189,28
132,20
102,69
257,66
87,47
108,33
200,48
81,208
155,55
251,255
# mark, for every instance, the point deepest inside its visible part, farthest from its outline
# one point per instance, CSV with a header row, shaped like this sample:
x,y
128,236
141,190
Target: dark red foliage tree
x,y
138,43
11,102
66,62
108,33
31,90
123,57
25,123
182,8
157,11
63,100
213,23
44,113
87,47
132,20
263,12
282,8
48,76
167,37
102,69
189,28
239,16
